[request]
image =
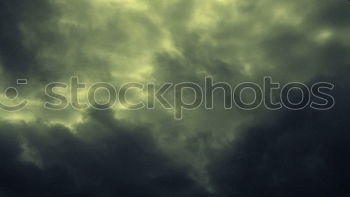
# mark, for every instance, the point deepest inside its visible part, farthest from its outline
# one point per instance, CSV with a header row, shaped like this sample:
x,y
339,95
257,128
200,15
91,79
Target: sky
x,y
217,152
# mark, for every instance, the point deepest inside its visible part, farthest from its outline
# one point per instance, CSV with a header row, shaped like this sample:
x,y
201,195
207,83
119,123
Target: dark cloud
x,y
302,153
21,21
103,159
334,14
293,153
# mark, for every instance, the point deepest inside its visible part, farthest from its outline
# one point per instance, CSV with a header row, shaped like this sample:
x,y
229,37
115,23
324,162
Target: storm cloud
x,y
217,152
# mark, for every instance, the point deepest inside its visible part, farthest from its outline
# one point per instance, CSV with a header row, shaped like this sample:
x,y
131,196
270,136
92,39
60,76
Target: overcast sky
x,y
218,152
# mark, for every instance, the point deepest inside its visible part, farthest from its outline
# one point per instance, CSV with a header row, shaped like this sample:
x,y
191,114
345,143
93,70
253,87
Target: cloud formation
x,y
216,152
